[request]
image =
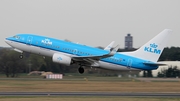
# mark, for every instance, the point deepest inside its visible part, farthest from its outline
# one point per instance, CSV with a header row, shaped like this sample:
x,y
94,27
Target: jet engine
x,y
61,59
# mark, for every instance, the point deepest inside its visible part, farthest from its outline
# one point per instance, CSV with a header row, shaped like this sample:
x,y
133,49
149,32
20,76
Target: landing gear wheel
x,y
81,70
21,56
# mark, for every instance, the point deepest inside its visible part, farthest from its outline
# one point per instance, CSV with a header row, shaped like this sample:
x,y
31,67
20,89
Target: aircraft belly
x,y
32,49
35,49
21,46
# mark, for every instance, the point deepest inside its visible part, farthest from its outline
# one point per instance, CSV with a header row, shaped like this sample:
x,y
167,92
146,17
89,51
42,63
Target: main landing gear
x,y
81,70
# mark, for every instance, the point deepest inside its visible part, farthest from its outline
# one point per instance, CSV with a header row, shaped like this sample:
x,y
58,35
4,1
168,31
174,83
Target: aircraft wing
x,y
94,58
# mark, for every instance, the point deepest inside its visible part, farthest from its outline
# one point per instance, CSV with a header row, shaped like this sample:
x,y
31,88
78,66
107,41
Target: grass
x,y
86,84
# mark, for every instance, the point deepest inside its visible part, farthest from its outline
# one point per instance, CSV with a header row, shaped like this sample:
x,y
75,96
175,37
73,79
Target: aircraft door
x,y
29,40
129,63
75,51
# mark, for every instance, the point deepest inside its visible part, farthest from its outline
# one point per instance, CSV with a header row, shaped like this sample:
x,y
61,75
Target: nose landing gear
x,y
21,56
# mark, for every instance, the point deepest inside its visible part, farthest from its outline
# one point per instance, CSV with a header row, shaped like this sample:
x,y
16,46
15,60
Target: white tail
x,y
152,50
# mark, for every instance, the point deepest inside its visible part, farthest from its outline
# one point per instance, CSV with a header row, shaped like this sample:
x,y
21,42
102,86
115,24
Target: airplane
x,y
68,53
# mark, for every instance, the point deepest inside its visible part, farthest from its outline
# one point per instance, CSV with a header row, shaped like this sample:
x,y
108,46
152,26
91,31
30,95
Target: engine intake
x,y
61,59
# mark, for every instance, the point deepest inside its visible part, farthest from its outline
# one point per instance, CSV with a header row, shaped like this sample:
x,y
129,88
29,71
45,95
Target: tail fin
x,y
152,50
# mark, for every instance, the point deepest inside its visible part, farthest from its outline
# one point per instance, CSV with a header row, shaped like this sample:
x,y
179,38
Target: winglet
x,y
114,50
108,48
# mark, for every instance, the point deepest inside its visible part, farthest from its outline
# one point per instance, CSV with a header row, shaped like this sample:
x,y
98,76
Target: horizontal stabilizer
x,y
154,64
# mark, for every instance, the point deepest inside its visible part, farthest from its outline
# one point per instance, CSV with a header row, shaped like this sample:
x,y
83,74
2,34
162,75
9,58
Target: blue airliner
x,y
68,53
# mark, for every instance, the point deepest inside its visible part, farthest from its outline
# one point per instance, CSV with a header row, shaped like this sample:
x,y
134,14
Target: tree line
x,y
11,65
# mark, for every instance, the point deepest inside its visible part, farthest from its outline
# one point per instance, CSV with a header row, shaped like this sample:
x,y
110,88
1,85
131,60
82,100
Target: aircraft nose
x,y
7,41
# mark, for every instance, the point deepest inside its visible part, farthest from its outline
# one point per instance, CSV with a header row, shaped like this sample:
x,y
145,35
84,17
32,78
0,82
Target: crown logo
x,y
153,45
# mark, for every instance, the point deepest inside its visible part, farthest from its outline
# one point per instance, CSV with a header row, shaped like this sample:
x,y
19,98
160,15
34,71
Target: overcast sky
x,y
91,22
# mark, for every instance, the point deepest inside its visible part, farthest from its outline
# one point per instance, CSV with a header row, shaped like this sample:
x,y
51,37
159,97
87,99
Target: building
x,y
128,41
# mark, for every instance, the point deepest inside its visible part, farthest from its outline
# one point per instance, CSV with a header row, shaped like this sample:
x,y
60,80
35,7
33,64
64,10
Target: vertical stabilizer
x,y
152,50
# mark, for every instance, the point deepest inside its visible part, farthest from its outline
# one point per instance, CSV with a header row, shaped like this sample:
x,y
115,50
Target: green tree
x,y
10,64
147,73
43,68
170,72
170,54
34,62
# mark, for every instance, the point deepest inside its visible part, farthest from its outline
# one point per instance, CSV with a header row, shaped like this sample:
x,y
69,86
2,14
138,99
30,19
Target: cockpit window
x,y
16,37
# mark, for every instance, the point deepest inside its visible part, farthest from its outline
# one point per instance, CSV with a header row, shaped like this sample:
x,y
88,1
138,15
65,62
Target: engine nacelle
x,y
61,59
